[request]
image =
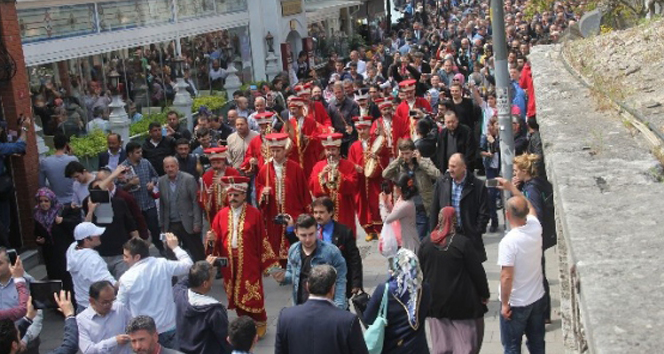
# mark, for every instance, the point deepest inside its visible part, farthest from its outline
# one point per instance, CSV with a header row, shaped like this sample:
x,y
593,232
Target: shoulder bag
x,y
374,336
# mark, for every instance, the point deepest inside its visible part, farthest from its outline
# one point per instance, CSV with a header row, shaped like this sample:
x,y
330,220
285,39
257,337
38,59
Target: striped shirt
x,y
457,189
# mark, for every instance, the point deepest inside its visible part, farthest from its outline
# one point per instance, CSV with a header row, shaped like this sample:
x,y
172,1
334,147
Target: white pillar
x,y
118,119
233,82
257,33
182,102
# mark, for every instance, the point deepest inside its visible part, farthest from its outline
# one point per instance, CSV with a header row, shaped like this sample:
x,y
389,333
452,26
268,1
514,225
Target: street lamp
x,y
182,101
271,66
269,39
118,119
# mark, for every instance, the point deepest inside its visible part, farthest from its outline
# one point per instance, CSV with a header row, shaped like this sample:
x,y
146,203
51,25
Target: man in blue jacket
x,y
308,252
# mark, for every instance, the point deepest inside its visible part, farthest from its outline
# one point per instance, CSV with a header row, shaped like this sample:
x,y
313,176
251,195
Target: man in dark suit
x,y
454,138
178,207
115,154
468,195
300,329
342,237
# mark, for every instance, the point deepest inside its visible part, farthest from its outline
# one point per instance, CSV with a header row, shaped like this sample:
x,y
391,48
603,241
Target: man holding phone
x,y
13,289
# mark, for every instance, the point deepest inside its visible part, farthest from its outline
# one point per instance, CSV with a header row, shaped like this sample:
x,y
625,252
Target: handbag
x,y
360,302
374,336
388,245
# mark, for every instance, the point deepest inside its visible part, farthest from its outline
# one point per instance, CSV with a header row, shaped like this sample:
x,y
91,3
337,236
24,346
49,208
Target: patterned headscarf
x,y
47,218
461,78
446,225
406,281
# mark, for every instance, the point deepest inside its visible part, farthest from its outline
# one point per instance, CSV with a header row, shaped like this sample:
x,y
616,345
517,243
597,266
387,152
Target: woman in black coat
x,y
54,231
407,306
458,282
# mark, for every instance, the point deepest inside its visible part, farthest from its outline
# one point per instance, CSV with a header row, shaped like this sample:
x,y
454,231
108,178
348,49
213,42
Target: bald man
x,y
468,195
521,292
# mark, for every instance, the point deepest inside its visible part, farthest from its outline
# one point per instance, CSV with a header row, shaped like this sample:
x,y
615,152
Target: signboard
x,y
308,47
291,7
286,57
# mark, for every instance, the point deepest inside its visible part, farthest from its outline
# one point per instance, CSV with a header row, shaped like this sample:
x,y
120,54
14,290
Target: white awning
x,y
326,9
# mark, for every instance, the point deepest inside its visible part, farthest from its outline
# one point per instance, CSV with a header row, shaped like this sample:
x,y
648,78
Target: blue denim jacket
x,y
325,253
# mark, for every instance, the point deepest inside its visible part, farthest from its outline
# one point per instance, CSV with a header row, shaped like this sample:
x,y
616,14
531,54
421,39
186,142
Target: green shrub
x,y
141,127
211,102
90,145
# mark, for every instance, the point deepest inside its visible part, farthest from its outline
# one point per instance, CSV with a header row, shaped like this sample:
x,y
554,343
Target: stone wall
x,y
608,204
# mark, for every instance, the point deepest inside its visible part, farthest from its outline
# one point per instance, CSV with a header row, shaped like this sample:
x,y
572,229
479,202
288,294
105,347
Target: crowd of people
x,y
394,141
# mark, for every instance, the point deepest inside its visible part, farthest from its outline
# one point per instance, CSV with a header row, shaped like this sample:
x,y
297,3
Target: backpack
x,y
549,236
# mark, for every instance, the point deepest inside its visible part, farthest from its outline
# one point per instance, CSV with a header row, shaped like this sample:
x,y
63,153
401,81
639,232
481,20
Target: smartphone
x,y
11,253
162,237
412,113
253,87
100,196
42,293
492,183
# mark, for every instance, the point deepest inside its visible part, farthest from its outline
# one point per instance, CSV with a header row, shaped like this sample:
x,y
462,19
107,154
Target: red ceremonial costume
x,y
389,131
368,189
289,194
339,184
242,239
213,194
257,149
314,108
306,154
402,114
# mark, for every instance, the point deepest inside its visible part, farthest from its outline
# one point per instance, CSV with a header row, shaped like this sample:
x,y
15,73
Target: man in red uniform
x,y
314,108
212,194
410,102
336,178
238,233
257,152
305,150
281,188
369,157
385,126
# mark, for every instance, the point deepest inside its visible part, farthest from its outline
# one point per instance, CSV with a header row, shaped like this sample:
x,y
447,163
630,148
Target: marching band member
x,y
213,195
370,155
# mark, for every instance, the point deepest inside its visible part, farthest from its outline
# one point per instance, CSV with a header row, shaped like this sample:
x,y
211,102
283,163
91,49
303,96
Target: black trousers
x,y
192,243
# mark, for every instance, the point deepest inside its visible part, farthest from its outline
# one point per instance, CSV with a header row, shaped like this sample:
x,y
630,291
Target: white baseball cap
x,y
87,229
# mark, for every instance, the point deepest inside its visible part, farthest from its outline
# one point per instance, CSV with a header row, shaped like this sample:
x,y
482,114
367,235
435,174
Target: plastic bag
x,y
387,243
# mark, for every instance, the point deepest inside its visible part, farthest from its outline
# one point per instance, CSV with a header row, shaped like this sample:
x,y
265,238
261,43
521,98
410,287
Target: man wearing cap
x,y
238,233
304,134
257,152
387,127
336,178
213,195
360,154
362,99
281,188
84,263
410,103
314,108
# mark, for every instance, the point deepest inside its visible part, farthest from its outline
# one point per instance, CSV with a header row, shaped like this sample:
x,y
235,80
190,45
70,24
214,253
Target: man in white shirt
x,y
238,142
84,263
101,327
146,287
82,179
361,64
521,290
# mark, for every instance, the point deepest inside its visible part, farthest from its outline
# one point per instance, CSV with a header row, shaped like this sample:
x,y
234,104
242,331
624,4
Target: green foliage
x,y
90,145
356,41
141,127
211,102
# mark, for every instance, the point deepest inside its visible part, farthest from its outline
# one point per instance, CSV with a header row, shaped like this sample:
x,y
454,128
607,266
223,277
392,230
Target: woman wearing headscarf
x,y
54,232
407,306
402,215
451,266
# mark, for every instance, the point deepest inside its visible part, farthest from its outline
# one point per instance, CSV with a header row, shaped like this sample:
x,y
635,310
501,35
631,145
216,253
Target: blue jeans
x,y
528,320
422,224
494,194
169,339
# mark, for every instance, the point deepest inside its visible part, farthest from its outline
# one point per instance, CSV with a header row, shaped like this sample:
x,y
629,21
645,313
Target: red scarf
x,y
445,227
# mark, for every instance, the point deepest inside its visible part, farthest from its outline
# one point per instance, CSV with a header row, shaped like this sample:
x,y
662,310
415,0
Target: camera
x,y
281,219
221,262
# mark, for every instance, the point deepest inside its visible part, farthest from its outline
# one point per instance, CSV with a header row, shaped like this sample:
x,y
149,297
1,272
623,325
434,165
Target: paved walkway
x,y
375,271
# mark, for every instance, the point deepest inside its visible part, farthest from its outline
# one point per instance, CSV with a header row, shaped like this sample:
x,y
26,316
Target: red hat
x,y
307,86
295,101
384,102
235,183
264,118
407,85
331,140
364,121
302,90
216,153
277,140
